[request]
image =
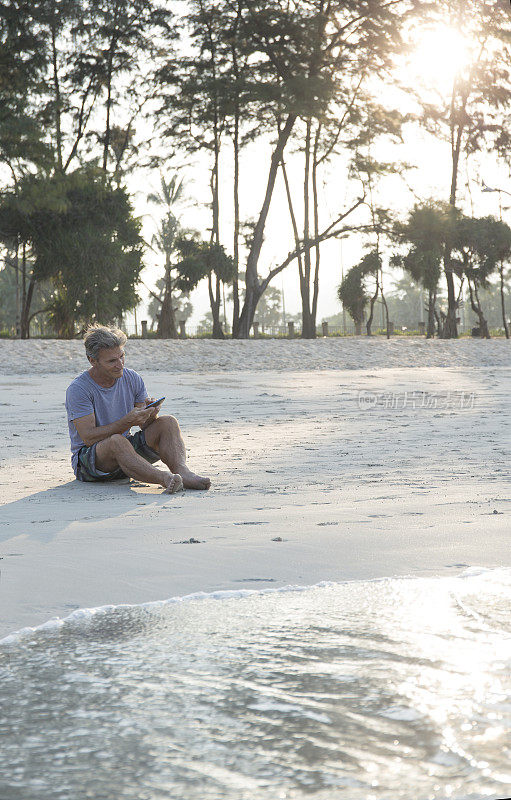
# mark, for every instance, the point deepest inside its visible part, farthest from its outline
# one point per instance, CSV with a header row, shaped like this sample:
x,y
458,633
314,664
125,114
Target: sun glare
x,y
441,53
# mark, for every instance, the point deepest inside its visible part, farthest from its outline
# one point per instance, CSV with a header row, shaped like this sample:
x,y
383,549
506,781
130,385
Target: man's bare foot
x,y
172,483
193,481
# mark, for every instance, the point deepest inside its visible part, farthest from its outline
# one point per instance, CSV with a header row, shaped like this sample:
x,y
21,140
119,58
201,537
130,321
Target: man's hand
x,y
140,416
154,410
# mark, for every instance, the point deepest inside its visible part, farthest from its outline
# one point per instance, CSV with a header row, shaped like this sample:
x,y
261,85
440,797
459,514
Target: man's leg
x,y
164,437
117,451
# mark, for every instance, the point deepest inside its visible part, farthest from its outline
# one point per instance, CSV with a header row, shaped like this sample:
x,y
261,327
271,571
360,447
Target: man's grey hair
x,y
98,337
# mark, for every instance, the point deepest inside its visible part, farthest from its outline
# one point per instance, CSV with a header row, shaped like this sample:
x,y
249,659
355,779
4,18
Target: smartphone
x,y
155,403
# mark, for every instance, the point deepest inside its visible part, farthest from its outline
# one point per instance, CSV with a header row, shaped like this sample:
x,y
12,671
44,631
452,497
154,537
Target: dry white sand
x,y
42,356
311,480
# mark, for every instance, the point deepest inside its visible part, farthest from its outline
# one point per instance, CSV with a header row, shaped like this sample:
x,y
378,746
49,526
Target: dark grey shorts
x,y
86,468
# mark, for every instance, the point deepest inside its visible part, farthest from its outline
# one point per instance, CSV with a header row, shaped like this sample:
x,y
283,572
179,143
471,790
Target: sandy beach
x,y
330,460
45,356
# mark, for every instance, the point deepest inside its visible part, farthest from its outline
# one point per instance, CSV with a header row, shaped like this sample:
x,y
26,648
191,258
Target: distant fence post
x,y
182,329
390,328
291,330
144,328
324,328
422,328
255,328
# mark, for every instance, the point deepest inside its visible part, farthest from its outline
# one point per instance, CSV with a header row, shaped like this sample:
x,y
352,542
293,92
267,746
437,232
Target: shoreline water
x,y
55,624
366,689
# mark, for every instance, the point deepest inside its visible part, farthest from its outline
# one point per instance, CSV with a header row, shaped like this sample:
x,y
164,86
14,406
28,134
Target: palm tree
x,y
165,241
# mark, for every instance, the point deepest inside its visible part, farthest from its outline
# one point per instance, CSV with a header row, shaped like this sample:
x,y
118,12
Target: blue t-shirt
x,y
84,396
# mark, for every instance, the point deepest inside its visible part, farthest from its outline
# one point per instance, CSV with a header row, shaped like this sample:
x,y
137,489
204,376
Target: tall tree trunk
x,y
25,314
167,320
431,313
218,333
293,217
17,268
322,16
294,226
385,306
236,143
110,67
26,296
214,301
235,285
253,290
475,303
315,291
371,305
24,310
214,296
457,126
23,276
449,328
106,142
215,230
58,99
482,319
502,299
307,332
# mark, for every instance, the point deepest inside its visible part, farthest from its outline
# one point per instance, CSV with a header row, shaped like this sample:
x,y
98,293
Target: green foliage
x,y
169,228
481,244
428,229
200,259
21,64
82,235
60,63
41,299
123,30
166,241
352,293
477,246
491,301
183,308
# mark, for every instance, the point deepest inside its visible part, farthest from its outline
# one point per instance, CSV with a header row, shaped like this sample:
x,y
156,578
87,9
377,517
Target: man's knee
x,y
117,442
109,451
161,426
168,421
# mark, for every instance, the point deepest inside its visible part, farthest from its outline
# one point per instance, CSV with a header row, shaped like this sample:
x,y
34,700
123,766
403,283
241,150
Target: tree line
x,y
82,80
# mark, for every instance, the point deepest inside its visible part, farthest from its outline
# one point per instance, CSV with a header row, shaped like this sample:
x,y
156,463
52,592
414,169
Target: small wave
x,y
86,614
494,576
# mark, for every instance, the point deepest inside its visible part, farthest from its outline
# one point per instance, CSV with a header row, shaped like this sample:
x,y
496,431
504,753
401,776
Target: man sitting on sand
x,y
103,403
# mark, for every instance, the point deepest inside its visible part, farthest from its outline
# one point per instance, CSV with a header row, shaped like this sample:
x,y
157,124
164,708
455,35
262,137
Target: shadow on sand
x,y
44,514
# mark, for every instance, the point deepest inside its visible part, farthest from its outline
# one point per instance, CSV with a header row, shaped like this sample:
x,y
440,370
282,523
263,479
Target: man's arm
x,y
90,433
